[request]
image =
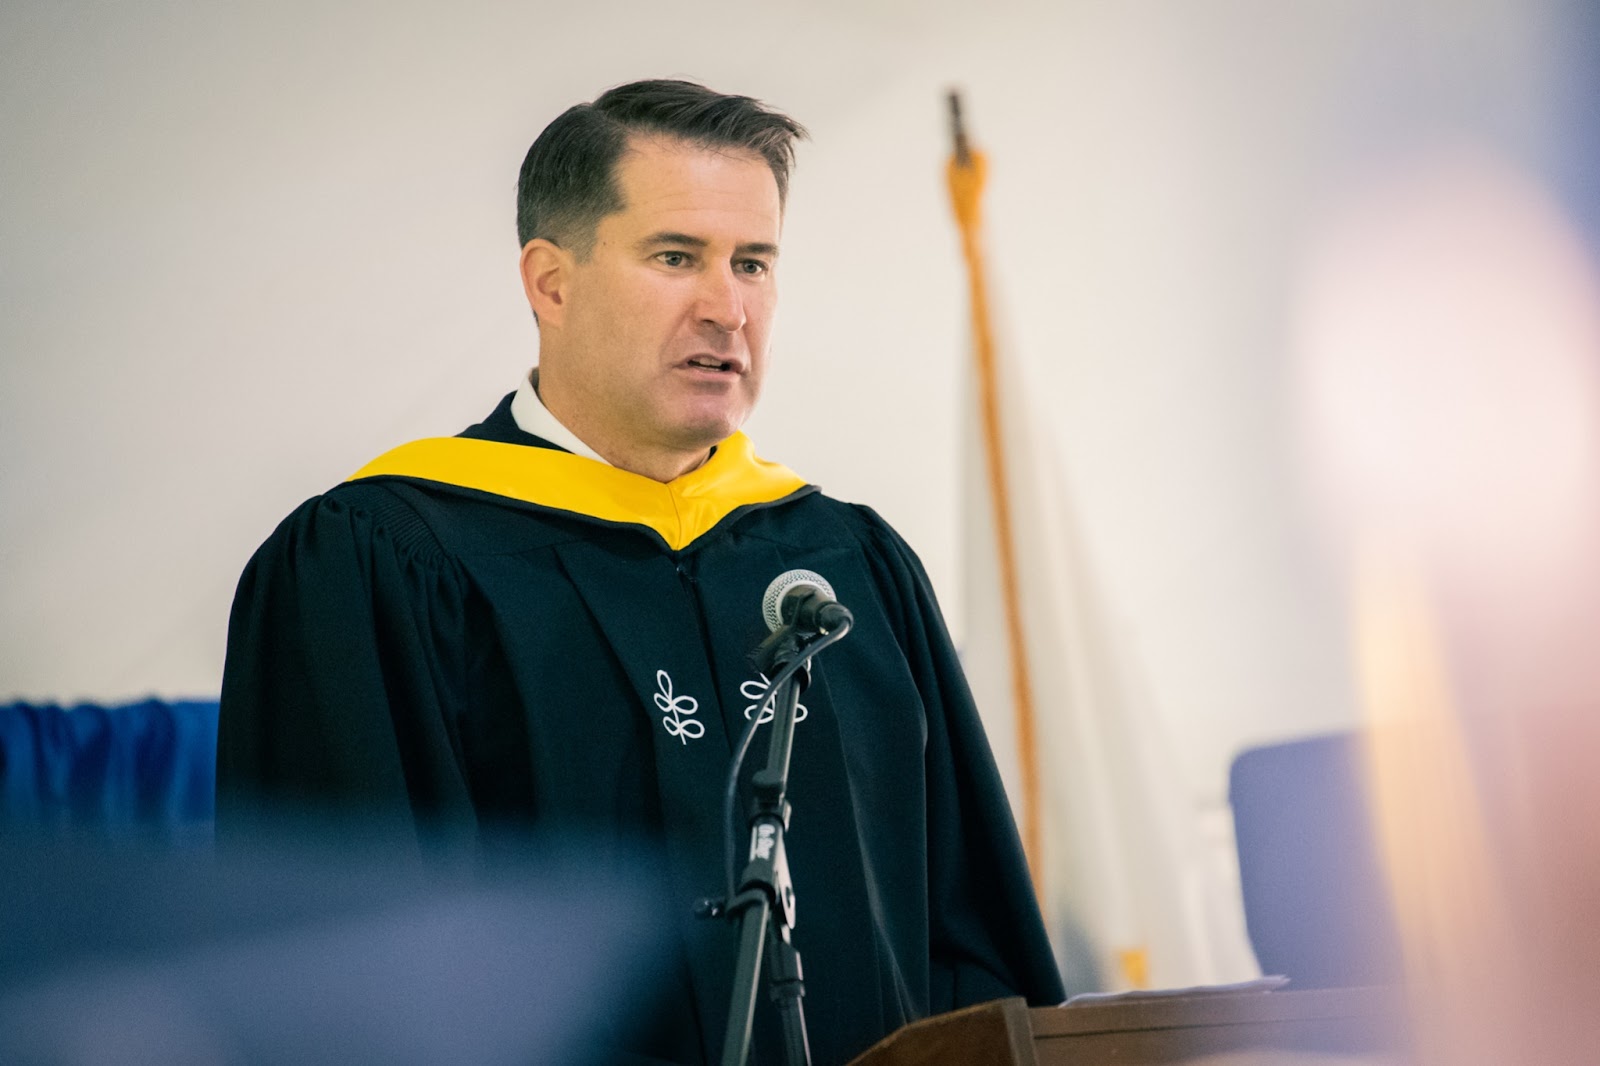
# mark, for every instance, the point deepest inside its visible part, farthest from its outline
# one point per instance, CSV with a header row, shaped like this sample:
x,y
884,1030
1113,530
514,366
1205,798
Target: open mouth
x,y
706,362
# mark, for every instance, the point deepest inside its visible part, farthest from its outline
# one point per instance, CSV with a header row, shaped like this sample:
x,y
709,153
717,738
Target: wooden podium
x,y
1347,1026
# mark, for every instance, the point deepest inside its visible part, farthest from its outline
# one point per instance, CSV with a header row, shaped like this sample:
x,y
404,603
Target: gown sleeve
x,y
986,937
344,668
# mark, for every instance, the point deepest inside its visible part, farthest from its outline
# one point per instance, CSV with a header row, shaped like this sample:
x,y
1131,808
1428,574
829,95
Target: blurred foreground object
x,y
284,949
1448,334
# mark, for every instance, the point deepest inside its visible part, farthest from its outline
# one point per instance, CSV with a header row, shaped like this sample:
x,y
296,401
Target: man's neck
x,y
661,465
532,416
658,466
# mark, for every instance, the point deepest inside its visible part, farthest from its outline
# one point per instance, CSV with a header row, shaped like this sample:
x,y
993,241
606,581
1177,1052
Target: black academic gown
x,y
466,658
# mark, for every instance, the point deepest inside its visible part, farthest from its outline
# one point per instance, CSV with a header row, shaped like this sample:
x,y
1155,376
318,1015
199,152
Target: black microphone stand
x,y
764,900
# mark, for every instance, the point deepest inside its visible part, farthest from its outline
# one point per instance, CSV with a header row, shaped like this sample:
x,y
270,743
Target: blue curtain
x,y
146,765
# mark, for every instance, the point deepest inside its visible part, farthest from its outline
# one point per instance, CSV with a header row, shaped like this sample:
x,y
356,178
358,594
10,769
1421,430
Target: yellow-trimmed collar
x,y
680,511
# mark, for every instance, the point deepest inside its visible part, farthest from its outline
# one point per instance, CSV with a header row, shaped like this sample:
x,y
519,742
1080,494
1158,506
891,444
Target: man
x,y
546,621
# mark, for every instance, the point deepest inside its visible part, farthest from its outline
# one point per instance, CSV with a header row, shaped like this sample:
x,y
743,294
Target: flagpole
x,y
966,172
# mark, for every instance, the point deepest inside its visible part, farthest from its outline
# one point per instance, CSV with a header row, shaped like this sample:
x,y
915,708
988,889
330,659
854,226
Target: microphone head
x,y
782,585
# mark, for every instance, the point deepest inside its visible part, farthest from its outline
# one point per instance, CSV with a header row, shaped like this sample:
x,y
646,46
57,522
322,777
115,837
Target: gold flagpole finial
x,y
958,130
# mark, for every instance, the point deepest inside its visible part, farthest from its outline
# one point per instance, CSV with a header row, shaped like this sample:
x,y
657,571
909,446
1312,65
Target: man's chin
x,y
703,442
702,433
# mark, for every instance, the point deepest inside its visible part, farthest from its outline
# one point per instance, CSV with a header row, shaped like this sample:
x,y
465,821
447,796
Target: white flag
x,y
1126,887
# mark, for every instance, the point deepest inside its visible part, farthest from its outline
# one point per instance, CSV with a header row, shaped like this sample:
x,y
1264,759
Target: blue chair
x,y
146,766
1315,901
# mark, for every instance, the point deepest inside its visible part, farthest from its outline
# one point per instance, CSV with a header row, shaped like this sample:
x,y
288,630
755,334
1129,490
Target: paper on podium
x,y
1260,984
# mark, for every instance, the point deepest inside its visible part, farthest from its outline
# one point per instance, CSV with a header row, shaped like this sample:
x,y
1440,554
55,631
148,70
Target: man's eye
x,y
673,259
751,266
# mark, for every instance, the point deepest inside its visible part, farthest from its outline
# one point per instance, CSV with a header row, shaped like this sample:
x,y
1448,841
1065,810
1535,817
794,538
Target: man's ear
x,y
546,274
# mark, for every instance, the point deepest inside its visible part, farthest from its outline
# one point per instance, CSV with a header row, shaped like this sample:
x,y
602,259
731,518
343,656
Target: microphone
x,y
803,599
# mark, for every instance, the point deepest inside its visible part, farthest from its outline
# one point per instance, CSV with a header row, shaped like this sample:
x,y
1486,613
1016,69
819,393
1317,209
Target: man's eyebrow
x,y
665,238
669,239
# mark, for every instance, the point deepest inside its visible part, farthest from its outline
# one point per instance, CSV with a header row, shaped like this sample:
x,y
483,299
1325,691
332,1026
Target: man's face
x,y
663,338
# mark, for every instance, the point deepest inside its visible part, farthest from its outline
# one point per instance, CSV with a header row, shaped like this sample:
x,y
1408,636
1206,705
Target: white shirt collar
x,y
532,416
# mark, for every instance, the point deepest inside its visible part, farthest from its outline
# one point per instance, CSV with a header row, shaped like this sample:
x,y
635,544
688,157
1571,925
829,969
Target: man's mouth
x,y
706,362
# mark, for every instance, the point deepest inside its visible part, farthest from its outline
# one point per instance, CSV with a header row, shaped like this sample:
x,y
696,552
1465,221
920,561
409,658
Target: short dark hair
x,y
568,180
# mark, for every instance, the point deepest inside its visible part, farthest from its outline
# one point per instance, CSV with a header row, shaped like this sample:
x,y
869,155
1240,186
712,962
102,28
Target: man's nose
x,y
721,299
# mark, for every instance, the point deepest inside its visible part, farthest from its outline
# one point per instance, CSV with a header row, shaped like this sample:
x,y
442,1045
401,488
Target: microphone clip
x,y
782,647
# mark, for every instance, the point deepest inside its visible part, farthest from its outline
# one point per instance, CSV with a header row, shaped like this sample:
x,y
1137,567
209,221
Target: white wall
x,y
246,247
